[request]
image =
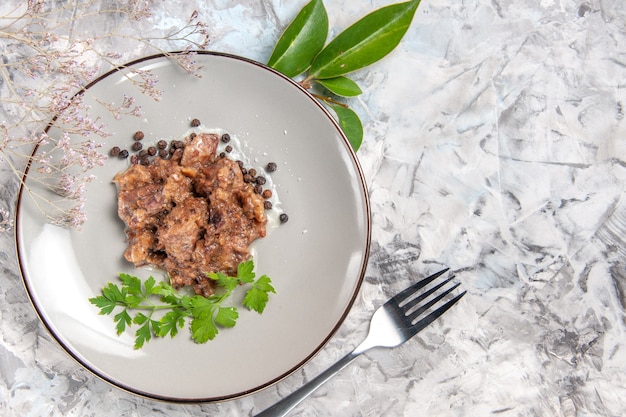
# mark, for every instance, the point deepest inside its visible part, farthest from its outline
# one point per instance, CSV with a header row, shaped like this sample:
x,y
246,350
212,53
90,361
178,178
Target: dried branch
x,y
48,54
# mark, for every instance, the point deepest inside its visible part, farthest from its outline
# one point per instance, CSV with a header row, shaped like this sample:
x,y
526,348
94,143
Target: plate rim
x,y
58,339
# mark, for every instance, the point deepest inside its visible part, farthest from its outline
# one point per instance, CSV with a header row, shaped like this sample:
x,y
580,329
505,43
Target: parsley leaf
x,y
203,329
256,298
131,283
122,319
227,316
223,280
245,272
206,314
147,329
105,305
113,293
171,322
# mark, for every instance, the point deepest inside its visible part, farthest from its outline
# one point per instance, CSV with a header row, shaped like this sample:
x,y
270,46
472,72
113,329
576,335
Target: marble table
x,y
495,144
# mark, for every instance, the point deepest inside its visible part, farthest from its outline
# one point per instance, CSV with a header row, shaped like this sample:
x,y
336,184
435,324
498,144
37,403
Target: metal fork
x,y
395,322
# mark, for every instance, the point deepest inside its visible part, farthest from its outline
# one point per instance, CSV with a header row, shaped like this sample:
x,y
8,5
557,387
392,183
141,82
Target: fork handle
x,y
282,407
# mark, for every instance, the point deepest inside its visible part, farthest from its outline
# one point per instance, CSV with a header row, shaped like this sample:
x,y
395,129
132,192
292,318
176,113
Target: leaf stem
x,y
152,307
329,100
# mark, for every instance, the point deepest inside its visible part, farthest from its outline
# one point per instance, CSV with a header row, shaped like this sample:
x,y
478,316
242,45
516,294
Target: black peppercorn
x,y
115,151
123,154
195,123
138,135
271,167
137,146
283,217
225,138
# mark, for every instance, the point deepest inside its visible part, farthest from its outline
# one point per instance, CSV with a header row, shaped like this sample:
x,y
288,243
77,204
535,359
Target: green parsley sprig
x,y
139,301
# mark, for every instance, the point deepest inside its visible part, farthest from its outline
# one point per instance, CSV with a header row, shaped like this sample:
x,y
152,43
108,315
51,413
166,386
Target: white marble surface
x,y
495,144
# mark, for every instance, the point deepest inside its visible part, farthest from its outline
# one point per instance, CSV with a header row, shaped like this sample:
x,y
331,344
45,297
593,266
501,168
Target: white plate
x,y
316,260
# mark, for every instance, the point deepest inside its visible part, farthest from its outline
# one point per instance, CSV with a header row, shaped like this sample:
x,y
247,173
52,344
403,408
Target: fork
x,y
395,322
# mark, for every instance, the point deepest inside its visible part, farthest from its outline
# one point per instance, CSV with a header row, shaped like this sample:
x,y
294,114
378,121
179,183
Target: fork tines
x,y
425,294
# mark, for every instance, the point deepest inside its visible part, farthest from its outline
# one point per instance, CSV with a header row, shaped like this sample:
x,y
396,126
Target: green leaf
x,y
256,298
185,302
122,319
202,306
226,316
156,326
223,280
301,41
140,318
142,335
150,286
365,42
203,329
265,284
132,284
105,305
350,124
114,293
245,272
167,292
341,86
171,322
133,301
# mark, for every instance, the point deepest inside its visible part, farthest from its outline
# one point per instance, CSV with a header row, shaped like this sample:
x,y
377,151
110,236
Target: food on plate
x,y
134,302
191,212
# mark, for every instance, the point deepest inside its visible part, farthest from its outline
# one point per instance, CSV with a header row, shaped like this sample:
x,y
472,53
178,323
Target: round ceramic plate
x,y
316,260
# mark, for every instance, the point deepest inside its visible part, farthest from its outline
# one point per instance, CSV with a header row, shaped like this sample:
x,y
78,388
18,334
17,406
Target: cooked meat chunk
x,y
190,215
140,244
233,222
182,227
201,151
138,207
224,173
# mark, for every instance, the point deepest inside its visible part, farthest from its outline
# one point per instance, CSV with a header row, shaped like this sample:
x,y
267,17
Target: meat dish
x,y
191,213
